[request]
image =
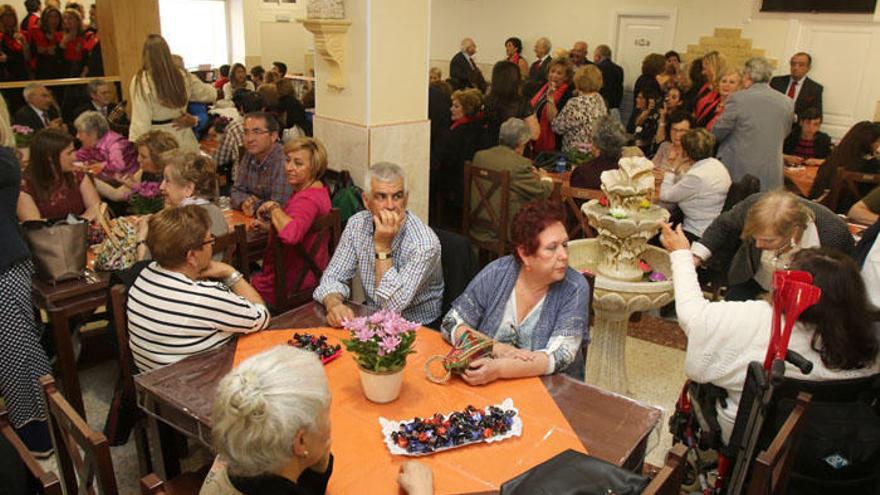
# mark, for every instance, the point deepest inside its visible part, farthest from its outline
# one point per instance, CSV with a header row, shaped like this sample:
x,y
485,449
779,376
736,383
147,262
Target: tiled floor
x,y
654,359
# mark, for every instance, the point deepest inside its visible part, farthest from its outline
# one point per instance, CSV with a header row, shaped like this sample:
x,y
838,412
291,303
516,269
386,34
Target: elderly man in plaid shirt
x,y
261,171
396,255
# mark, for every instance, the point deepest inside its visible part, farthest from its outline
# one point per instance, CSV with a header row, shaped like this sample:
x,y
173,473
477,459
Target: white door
x,y
637,36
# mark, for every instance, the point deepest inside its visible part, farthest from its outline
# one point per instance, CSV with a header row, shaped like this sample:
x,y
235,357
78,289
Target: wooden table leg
x,y
166,459
69,378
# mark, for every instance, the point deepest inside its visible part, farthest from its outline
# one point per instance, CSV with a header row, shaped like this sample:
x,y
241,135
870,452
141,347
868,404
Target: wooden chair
x,y
185,484
487,184
234,245
128,402
83,454
48,481
326,228
668,480
772,468
574,197
851,181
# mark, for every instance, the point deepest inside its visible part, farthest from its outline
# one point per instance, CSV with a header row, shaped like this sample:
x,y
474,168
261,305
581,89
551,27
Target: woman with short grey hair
x,y
103,149
699,186
272,429
608,141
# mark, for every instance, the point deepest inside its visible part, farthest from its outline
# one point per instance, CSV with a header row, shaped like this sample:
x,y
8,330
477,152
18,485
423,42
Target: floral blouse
x,y
577,120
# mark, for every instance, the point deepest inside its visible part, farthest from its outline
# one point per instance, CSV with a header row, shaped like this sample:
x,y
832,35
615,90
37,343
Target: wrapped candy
x,y
316,344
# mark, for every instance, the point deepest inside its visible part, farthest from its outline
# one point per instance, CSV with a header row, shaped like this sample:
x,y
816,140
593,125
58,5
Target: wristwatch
x,y
383,256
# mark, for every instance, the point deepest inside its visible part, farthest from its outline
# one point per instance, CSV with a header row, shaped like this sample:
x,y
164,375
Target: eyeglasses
x,y
209,241
256,132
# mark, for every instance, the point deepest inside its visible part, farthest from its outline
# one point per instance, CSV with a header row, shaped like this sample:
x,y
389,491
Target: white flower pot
x,y
381,387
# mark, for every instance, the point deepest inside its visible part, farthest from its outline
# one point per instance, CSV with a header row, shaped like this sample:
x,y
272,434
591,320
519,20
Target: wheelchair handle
x,y
802,363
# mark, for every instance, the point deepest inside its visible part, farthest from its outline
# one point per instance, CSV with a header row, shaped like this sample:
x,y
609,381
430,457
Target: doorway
x,y
639,34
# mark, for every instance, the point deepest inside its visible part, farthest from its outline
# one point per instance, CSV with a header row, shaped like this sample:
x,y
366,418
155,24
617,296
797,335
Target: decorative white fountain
x,y
622,287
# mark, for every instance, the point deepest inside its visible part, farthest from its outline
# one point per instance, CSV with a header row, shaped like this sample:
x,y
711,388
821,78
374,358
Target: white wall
x,y
846,48
271,33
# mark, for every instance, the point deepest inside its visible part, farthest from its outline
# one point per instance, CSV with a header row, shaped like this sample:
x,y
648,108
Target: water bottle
x,y
561,165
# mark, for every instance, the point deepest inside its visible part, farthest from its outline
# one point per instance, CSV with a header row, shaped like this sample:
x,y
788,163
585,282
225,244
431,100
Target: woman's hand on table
x,y
482,371
248,205
416,478
501,350
673,240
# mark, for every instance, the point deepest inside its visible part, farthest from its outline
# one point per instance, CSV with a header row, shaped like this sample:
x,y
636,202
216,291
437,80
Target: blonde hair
x,y
566,64
192,168
174,232
471,100
167,78
317,152
716,64
778,211
588,79
261,405
7,136
157,143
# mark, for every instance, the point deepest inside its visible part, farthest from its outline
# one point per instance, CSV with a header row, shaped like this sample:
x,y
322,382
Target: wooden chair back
x,y
848,181
772,468
234,246
574,197
151,484
83,454
668,480
48,481
127,369
326,229
185,484
487,184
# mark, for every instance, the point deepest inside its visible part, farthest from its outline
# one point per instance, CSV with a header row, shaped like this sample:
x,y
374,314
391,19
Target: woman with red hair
x,y
531,303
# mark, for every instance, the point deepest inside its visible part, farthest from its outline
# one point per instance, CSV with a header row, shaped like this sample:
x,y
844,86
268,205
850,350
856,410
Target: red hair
x,y
530,221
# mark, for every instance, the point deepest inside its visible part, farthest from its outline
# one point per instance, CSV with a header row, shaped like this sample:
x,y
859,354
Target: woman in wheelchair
x,y
837,334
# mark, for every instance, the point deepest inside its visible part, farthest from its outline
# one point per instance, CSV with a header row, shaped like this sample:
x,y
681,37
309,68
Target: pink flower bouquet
x,y
146,198
382,341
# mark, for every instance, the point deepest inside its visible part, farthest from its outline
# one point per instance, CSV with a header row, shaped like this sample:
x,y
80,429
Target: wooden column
x,y
123,26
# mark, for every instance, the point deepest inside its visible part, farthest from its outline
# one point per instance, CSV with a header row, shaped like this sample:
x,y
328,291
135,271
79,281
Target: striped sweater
x,y
171,316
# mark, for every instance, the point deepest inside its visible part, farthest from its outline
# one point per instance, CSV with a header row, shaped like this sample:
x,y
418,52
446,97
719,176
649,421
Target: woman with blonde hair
x,y
72,41
729,82
714,66
305,164
550,100
761,234
160,92
577,121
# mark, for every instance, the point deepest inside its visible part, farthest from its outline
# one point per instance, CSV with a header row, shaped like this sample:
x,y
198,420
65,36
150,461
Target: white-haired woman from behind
x,y
272,430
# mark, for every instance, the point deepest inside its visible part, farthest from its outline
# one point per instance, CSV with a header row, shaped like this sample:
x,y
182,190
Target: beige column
x,y
123,28
381,112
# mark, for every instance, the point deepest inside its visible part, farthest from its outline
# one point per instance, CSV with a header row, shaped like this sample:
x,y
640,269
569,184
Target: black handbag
x,y
574,473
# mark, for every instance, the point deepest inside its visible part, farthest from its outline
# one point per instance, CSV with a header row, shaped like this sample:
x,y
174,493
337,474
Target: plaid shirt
x,y
264,180
233,139
413,286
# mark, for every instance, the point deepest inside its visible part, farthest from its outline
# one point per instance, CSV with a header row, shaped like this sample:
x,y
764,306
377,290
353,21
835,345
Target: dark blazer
x,y
28,117
88,107
612,83
12,246
810,95
538,70
461,74
722,238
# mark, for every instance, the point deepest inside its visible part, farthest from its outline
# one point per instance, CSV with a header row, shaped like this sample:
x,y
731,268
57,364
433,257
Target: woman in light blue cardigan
x,y
531,303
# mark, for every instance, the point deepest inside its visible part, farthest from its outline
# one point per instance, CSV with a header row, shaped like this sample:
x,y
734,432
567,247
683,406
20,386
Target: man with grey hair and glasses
x,y
753,127
526,183
396,255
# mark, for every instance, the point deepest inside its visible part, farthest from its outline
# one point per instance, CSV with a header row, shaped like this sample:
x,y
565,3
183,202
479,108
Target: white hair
x,y
92,121
513,133
29,90
758,69
545,42
261,406
383,172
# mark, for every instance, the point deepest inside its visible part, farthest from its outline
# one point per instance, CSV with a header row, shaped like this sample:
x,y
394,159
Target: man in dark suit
x,y
463,71
100,99
805,92
541,66
39,111
612,79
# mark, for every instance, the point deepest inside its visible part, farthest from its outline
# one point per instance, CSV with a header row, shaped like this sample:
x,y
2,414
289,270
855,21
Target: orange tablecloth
x,y
236,217
362,461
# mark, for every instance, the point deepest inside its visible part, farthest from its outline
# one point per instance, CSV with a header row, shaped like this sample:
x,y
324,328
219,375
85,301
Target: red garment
x,y
220,82
42,41
303,207
10,44
65,199
90,41
73,50
32,25
707,101
515,58
547,140
467,120
792,89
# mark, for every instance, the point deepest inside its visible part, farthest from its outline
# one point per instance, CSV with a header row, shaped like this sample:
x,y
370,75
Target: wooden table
x,y
61,302
611,427
802,178
257,238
